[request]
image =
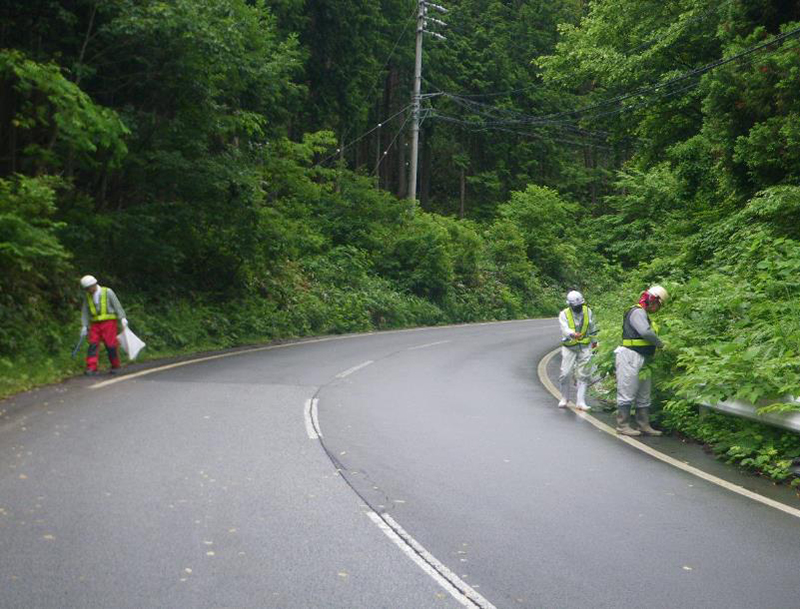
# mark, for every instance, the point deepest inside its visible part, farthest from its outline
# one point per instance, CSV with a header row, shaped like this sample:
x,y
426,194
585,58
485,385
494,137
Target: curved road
x,y
424,468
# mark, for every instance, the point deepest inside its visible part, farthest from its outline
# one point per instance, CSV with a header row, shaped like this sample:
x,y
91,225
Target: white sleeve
x,y
592,331
565,329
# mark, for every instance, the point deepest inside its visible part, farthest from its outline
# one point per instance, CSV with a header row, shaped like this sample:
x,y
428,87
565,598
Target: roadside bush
x,y
548,225
731,332
418,258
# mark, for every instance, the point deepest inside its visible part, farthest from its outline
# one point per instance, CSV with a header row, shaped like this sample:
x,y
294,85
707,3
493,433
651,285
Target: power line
x,y
695,74
691,73
502,116
363,135
389,147
483,127
645,44
664,87
408,21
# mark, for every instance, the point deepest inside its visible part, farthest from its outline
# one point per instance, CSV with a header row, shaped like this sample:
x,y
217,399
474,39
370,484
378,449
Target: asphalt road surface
x,y
425,468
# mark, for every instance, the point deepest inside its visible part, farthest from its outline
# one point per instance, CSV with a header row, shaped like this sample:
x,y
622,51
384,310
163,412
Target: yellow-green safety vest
x,y
640,342
584,328
103,315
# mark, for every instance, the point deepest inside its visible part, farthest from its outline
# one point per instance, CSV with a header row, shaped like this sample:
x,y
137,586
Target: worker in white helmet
x,y
639,343
101,307
578,340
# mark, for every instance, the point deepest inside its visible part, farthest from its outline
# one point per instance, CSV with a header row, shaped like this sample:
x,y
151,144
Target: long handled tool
x,y
78,346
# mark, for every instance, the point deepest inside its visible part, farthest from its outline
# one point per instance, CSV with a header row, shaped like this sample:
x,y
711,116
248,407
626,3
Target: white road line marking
x,y
128,377
464,594
350,371
735,488
315,417
440,342
312,433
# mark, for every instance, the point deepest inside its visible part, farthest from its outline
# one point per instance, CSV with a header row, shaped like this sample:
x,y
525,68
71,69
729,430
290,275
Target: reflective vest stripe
x,y
584,328
104,315
636,342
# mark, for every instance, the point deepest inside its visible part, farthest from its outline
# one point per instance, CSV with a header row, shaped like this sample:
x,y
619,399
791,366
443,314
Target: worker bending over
x,y
101,306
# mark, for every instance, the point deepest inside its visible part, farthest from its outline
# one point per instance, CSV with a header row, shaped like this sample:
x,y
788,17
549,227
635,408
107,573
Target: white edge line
x,y
128,377
350,371
466,590
207,358
315,417
409,551
441,342
735,488
312,434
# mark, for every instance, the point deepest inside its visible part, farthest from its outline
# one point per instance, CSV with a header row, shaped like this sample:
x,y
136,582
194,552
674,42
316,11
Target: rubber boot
x,y
623,425
643,421
564,393
580,400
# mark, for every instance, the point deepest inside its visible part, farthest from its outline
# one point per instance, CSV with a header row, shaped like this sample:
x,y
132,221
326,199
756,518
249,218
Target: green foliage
x,y
757,447
731,332
507,252
639,221
53,120
488,59
33,263
29,248
549,226
419,258
752,115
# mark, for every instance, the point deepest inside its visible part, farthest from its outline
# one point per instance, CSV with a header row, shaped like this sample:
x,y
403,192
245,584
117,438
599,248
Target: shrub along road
x,y
206,485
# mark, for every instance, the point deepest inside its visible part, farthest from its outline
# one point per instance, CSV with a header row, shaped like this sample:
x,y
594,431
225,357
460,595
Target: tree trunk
x,y
378,157
402,176
463,192
425,177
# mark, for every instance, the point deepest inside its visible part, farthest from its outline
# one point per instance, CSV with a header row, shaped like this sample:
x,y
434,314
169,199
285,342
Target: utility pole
x,y
422,20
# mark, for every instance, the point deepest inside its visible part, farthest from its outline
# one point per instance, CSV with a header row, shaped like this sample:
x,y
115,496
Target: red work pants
x,y
107,332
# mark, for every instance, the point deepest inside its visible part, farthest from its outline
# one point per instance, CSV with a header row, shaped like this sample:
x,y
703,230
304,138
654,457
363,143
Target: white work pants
x,y
574,359
631,390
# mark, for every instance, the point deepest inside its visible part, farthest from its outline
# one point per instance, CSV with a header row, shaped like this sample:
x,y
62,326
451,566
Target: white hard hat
x,y
88,281
575,298
659,293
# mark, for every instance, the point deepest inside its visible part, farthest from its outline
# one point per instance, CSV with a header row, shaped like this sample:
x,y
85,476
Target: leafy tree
x,y
50,120
548,225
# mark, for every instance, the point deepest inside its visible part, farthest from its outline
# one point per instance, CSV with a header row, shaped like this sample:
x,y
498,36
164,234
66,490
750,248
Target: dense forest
x,y
237,170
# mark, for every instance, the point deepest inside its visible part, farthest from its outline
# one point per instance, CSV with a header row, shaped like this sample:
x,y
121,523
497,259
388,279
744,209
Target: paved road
x,y
201,486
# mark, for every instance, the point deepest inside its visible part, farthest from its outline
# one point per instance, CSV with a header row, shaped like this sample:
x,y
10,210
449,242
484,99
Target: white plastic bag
x,y
131,343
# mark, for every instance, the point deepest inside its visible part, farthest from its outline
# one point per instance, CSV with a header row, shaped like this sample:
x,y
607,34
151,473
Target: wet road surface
x,y
288,477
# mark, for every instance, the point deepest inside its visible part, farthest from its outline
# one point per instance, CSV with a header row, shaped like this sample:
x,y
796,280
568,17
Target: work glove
x,y
124,322
84,331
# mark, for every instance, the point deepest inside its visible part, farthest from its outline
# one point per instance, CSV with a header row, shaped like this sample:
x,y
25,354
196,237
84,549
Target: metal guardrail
x,y
785,420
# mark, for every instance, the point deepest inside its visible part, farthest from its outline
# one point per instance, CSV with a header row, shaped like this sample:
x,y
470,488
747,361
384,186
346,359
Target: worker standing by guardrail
x,y
639,343
578,339
103,307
